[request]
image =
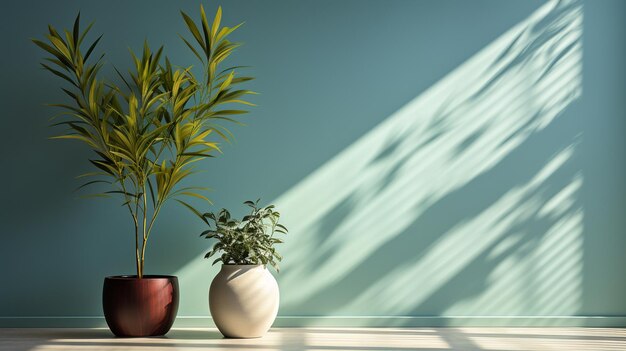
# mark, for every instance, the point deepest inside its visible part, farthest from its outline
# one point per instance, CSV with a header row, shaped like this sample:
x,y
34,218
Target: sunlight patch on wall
x,y
442,150
524,276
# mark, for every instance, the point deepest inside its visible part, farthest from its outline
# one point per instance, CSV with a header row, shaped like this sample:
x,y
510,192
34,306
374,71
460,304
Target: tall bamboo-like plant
x,y
148,132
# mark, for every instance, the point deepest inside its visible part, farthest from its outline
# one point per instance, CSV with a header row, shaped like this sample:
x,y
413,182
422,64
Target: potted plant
x,y
146,134
244,296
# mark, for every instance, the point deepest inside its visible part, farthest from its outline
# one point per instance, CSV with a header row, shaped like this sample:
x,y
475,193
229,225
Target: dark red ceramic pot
x,y
140,307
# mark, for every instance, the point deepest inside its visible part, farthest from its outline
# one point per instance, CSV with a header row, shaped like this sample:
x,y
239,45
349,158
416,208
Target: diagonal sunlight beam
x,y
435,146
433,270
512,88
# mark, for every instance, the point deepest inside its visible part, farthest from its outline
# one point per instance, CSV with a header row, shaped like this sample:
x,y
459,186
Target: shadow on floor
x,y
466,339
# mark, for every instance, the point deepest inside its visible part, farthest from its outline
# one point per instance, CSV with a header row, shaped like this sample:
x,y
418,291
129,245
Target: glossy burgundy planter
x,y
140,307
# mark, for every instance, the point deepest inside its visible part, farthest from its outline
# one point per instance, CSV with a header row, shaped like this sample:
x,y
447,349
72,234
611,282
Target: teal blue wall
x,y
438,162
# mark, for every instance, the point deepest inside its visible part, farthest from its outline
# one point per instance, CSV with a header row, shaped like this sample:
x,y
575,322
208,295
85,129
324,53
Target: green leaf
x,y
103,166
59,74
92,182
205,30
76,28
152,197
216,21
197,196
90,174
195,52
194,30
193,210
56,53
82,36
93,46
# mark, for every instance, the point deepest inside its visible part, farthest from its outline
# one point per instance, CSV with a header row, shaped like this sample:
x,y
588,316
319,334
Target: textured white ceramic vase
x,y
243,300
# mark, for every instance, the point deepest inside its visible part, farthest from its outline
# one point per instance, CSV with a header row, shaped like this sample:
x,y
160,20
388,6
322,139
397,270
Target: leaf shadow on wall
x,y
464,202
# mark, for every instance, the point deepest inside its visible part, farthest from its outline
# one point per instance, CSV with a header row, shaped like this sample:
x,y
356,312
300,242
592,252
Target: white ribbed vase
x,y
243,300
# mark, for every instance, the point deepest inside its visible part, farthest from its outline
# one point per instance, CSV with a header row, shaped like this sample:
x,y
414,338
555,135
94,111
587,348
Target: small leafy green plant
x,y
249,241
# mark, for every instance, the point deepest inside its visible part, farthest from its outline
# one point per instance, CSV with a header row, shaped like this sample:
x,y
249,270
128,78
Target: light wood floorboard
x,y
325,339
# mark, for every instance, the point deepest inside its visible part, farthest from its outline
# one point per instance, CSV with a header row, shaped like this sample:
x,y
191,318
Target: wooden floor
x,y
325,339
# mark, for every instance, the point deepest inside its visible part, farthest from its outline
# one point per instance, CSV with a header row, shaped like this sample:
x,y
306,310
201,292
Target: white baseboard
x,y
341,321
